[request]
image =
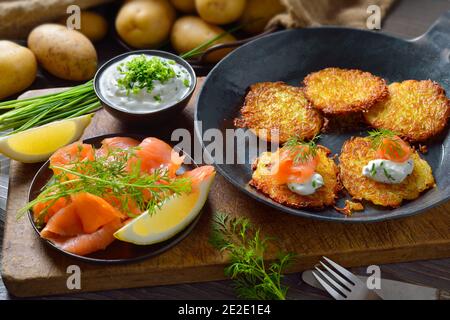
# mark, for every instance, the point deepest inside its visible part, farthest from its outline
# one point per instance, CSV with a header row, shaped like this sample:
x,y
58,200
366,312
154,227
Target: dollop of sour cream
x,y
162,94
309,187
387,171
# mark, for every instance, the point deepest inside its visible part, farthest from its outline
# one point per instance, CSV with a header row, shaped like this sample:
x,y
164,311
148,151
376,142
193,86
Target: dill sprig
x,y
302,151
377,137
112,174
253,279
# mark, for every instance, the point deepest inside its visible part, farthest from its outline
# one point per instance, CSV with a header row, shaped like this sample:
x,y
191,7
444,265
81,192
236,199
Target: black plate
x,y
118,251
290,55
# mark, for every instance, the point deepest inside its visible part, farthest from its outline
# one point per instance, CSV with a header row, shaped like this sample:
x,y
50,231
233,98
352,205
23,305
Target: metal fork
x,y
341,284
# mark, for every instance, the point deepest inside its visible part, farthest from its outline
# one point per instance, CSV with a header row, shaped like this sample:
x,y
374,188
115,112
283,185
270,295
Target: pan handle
x,y
439,33
202,59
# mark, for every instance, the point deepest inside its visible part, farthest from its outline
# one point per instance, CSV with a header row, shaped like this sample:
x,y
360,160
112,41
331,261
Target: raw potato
x,y
18,68
145,23
189,32
186,6
93,25
220,11
65,53
258,13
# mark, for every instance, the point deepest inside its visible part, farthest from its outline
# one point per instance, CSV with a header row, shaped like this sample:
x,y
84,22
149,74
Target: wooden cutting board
x,y
30,269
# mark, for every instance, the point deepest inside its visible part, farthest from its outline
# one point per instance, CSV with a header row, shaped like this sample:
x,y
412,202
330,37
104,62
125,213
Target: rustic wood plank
x,y
30,268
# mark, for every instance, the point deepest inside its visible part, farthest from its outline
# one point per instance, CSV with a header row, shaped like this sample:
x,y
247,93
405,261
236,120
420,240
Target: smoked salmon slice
x,y
94,212
123,143
85,244
55,206
198,175
65,222
153,154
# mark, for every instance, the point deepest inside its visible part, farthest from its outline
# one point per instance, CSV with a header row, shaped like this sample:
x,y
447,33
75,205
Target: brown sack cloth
x,y
305,13
17,18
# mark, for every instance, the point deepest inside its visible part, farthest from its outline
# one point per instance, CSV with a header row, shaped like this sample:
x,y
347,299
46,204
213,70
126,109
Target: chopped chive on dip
x,y
140,72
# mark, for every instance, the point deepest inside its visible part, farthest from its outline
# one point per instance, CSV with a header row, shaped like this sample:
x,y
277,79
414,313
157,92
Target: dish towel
x,y
351,13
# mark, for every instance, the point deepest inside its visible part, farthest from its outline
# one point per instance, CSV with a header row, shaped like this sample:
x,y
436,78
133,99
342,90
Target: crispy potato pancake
x,y
356,153
416,110
339,91
325,196
278,106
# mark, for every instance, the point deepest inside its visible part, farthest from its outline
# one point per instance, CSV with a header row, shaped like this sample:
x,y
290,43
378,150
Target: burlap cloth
x,y
18,17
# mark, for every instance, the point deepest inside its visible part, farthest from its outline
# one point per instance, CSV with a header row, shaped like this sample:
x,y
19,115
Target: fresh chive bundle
x,y
36,111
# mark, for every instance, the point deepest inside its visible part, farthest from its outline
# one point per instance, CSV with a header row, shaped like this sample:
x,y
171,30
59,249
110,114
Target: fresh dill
x,y
113,174
253,279
377,137
301,150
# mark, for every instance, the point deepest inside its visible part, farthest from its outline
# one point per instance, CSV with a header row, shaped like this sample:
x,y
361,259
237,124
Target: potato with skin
x,y
18,68
145,23
65,53
220,11
189,32
93,25
186,6
258,13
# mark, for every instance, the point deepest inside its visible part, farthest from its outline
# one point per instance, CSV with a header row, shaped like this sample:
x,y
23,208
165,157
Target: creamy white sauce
x,y
387,171
162,95
309,187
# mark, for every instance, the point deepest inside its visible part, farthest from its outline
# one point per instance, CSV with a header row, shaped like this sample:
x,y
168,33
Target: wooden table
x,y
409,18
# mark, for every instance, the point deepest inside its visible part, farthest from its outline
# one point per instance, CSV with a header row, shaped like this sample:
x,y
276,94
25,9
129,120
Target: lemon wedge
x,y
38,144
175,214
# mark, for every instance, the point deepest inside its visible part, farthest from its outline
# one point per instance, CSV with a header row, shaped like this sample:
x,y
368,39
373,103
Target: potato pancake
x,y
416,110
279,106
356,153
339,91
324,196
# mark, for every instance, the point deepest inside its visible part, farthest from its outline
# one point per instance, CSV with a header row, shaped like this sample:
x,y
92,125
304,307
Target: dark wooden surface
x,y
410,18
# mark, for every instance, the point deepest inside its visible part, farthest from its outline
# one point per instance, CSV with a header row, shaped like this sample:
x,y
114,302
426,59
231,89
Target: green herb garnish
x,y
253,279
140,73
186,83
386,173
377,136
301,150
28,113
112,174
157,98
373,170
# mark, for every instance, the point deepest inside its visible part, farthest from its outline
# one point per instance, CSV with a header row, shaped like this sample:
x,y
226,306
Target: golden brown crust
x,y
416,110
341,91
325,196
356,153
350,207
279,106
